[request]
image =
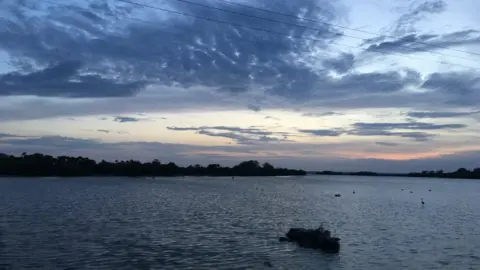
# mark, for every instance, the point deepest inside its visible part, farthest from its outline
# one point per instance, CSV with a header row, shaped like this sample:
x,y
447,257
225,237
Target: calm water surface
x,y
221,223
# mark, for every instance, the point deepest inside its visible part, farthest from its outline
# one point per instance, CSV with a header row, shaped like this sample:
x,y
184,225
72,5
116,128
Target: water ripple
x,y
206,223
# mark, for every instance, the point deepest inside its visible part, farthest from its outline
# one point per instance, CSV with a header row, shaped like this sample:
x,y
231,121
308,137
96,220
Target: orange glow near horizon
x,y
348,155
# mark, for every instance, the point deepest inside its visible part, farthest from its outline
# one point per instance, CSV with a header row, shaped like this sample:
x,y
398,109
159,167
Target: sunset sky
x,y
319,85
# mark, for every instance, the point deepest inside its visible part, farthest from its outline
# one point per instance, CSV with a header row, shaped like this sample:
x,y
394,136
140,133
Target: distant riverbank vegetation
x,y
461,173
45,165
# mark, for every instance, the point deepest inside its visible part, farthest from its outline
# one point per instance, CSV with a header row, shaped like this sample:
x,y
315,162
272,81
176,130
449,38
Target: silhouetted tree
x,y
45,165
460,173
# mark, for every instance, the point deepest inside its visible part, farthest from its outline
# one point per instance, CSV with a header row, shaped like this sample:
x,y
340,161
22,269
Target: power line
x,y
243,26
306,27
190,15
130,18
109,13
340,26
278,33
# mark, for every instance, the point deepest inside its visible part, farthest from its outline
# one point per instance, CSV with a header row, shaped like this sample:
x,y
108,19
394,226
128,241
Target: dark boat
x,y
315,239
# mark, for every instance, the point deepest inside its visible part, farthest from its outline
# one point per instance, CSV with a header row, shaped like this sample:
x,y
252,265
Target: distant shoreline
x,y
461,173
40,165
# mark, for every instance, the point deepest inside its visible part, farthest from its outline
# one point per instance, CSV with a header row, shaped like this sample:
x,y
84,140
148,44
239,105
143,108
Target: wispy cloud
x,y
126,119
412,130
65,80
403,130
414,43
321,114
427,114
273,118
240,135
254,108
406,125
322,132
387,144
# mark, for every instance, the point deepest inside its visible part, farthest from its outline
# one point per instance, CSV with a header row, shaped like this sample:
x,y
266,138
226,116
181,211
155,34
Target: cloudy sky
x,y
343,85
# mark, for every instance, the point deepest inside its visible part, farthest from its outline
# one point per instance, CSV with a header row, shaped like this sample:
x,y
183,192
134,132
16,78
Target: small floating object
x,y
402,189
411,191
422,201
337,195
354,191
268,264
429,190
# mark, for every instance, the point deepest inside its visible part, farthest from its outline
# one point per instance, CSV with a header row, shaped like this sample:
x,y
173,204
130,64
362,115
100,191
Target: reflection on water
x,y
220,223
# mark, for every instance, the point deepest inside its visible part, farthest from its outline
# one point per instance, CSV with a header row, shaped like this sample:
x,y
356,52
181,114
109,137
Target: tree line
x,y
45,165
461,173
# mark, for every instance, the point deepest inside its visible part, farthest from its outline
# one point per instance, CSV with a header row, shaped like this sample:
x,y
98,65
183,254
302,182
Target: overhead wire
x,y
341,26
279,33
252,28
306,27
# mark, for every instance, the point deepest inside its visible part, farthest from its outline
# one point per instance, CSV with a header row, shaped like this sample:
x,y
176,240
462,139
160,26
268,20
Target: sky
x,y
389,86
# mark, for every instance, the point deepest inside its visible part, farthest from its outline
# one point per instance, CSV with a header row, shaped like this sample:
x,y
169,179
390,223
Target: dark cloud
x,y
64,80
161,62
321,114
397,129
409,126
387,144
341,64
418,11
61,142
273,118
229,135
322,132
184,128
406,23
251,130
7,135
414,43
174,52
417,136
386,129
239,138
461,88
240,135
188,51
367,83
426,114
254,108
126,119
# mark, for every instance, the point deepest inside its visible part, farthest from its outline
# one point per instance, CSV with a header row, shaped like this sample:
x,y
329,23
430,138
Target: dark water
x,y
207,223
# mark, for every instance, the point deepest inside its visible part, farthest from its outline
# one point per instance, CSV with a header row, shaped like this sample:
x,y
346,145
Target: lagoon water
x,y
224,223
